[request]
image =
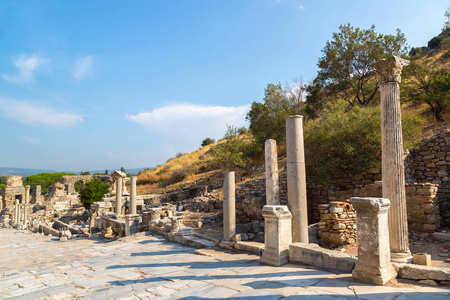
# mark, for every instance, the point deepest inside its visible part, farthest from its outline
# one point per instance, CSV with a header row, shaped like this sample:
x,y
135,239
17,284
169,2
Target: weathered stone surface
x,y
422,259
296,178
313,255
409,271
271,167
373,264
229,207
14,181
278,235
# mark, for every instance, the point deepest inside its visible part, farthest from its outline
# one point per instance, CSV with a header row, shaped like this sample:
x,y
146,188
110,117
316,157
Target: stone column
x,y
119,195
374,260
229,207
17,212
296,178
27,194
272,187
389,71
133,195
25,211
278,234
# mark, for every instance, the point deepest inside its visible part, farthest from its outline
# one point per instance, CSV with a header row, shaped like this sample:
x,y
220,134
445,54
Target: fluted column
x,y
119,195
389,73
271,165
133,195
229,207
296,178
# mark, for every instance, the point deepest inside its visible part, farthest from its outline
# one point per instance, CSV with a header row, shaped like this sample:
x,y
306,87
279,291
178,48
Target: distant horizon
x,y
90,84
31,171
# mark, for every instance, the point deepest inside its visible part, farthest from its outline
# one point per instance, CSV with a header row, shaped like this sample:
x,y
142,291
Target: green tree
x,y
122,169
93,191
344,66
208,141
106,172
267,119
421,85
447,20
45,180
231,153
85,173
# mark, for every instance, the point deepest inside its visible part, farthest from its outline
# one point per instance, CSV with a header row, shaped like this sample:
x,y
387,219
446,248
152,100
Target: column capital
x,y
389,69
370,204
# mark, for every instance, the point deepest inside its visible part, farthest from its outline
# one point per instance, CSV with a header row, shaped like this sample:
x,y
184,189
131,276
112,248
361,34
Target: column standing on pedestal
x,y
133,195
296,179
119,195
229,207
389,73
271,166
27,194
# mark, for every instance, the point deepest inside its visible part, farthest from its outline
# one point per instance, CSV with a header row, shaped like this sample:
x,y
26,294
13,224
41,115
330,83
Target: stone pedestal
x,y
278,235
155,215
131,224
374,261
177,223
229,207
119,195
296,178
271,165
133,181
27,194
389,73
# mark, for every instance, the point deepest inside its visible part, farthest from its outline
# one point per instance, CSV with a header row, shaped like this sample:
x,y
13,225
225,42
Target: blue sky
x,y
102,84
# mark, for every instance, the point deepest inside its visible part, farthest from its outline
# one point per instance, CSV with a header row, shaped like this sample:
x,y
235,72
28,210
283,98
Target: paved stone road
x,y
33,266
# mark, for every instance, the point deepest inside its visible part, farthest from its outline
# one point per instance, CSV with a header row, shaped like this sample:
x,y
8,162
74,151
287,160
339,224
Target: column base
x,y
402,258
274,258
378,275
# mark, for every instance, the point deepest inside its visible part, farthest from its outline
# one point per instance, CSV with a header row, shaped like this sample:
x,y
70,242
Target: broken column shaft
x,y
271,166
296,178
133,195
27,194
119,195
229,207
389,73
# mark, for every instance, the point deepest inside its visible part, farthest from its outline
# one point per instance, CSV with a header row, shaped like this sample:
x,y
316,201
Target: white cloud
x,y
83,67
111,155
190,121
27,66
33,114
30,140
300,7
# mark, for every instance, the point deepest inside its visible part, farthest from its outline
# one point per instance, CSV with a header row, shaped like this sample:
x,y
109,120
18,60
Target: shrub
x,y
349,140
208,141
93,191
45,180
181,174
230,153
242,130
2,185
434,42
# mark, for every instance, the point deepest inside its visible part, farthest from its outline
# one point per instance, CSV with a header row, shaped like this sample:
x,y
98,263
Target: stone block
x,y
422,259
418,272
313,255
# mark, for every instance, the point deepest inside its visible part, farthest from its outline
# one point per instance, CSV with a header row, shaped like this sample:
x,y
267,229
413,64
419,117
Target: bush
x,y
208,141
181,174
45,180
344,140
2,185
434,42
93,191
231,153
242,130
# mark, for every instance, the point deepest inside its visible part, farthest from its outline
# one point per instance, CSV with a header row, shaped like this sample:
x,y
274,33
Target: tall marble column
x,y
119,195
27,194
296,178
389,73
271,165
25,211
229,207
17,212
133,195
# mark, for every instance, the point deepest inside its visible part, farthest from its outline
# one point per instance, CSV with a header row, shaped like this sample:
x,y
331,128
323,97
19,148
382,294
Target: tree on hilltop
x,y
345,70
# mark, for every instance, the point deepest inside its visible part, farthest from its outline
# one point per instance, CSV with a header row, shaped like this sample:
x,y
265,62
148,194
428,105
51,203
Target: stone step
x,y
251,247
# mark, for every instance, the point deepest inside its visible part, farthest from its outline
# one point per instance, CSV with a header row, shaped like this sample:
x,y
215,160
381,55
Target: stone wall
x,y
430,162
337,224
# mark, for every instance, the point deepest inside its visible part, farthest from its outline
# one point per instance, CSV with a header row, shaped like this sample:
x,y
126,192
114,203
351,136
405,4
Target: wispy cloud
x,y
190,121
37,114
111,155
300,7
83,67
29,140
27,66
